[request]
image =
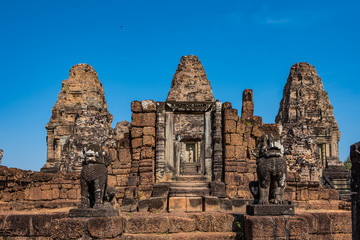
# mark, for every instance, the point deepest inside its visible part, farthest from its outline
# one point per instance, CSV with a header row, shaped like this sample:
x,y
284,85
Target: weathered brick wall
x,y
119,168
142,135
58,188
21,189
240,136
131,171
307,192
238,164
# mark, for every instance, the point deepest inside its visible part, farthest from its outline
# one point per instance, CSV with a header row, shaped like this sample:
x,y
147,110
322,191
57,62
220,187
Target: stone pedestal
x,y
270,210
93,212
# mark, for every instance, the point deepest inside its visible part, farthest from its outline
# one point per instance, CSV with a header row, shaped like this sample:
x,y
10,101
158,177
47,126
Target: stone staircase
x,y
189,189
338,177
343,187
190,178
190,183
190,168
186,193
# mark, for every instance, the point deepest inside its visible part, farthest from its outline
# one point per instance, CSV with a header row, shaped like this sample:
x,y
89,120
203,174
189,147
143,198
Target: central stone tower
x,y
188,135
187,122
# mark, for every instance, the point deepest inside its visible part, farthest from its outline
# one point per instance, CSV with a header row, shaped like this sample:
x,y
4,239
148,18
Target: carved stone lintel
x,y
189,106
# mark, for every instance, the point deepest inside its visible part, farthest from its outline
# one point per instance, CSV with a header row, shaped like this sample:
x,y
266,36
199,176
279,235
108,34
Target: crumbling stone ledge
x,y
308,225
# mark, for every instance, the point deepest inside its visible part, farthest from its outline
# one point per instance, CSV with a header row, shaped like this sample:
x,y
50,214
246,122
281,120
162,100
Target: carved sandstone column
x,y
218,158
169,143
208,144
160,141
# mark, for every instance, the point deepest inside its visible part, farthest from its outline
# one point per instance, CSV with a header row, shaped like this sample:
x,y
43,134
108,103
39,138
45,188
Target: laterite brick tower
x,y
310,130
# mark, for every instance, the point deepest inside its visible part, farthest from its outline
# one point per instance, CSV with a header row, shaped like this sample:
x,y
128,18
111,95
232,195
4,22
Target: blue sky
x,y
241,44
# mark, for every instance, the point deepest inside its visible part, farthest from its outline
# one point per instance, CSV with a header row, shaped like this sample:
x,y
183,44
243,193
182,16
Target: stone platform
x,y
307,225
270,210
93,212
185,204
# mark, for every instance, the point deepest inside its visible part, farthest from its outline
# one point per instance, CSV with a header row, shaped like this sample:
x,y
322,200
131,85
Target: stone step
x,y
190,164
189,192
344,193
189,189
190,178
184,235
190,168
343,187
190,171
188,186
341,182
337,187
345,197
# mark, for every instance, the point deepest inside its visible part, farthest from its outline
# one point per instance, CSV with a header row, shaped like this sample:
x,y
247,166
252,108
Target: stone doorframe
x,y
209,149
180,155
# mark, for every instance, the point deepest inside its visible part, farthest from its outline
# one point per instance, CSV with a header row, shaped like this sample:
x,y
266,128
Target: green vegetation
x,y
240,230
347,163
64,90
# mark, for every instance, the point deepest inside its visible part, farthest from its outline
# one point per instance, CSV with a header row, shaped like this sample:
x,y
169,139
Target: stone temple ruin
x,y
192,149
190,153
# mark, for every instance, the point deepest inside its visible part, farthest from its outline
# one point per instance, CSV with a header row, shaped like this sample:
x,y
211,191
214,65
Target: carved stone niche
x,y
187,149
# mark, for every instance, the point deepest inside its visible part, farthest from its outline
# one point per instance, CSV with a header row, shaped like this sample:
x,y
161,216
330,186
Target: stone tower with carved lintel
x,y
191,117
